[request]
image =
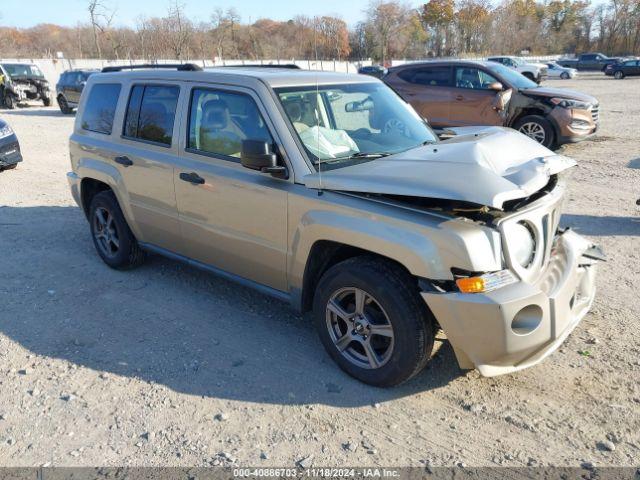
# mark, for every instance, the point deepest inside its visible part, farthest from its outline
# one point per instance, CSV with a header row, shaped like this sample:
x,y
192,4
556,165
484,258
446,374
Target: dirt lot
x,y
166,365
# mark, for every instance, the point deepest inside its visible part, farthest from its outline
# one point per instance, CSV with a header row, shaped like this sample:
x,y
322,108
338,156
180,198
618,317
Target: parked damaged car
x,y
328,191
10,154
458,93
20,82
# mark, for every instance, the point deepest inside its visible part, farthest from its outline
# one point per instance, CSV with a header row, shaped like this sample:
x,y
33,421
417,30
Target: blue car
x,y
9,147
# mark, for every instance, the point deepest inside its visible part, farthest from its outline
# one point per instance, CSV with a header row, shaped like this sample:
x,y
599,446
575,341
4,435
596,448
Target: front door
x,y
231,218
474,101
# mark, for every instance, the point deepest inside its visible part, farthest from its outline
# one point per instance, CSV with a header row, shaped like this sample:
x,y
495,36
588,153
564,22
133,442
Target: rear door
x,y
72,87
428,89
144,157
474,103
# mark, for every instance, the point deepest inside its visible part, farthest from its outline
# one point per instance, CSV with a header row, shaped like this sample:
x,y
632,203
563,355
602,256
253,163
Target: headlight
x,y
566,103
522,243
5,131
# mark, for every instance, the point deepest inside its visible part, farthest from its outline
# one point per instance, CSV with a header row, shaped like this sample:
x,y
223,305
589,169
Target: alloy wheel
x,y
533,130
359,328
106,232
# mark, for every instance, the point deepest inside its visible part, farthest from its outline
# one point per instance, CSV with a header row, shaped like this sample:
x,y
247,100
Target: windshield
x,y
340,124
17,70
513,78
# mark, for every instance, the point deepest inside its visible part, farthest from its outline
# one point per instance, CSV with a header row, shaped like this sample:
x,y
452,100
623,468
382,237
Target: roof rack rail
x,y
184,67
291,66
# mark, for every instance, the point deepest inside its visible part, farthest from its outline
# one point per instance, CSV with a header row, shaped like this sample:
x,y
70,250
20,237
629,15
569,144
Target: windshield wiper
x,y
364,155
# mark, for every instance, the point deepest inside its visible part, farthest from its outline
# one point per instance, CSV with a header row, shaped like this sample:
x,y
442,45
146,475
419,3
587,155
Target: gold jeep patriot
x,y
330,192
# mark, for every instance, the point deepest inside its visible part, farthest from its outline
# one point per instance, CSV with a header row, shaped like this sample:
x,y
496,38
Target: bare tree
x,y
100,17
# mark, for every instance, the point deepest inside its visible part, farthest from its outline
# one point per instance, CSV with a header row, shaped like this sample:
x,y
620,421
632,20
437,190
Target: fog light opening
x,y
527,320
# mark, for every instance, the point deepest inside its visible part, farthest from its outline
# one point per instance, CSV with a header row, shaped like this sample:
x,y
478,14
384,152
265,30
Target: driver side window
x,y
219,121
473,78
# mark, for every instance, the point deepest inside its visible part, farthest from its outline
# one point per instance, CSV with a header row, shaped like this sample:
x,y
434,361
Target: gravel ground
x,y
167,365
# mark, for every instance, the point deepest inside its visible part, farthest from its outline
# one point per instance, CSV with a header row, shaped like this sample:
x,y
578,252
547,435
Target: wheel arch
x,y
323,255
537,111
89,188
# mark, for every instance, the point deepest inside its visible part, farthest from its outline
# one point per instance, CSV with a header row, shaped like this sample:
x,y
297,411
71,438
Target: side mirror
x,y
258,155
496,86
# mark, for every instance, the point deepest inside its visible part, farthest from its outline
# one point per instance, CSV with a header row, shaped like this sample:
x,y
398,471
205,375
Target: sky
x,y
22,13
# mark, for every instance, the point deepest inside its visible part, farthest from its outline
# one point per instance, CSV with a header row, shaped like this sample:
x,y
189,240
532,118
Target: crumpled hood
x,y
482,165
551,92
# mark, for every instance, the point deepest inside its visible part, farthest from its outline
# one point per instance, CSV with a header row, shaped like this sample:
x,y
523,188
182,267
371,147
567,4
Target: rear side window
x,y
100,108
430,76
151,113
219,121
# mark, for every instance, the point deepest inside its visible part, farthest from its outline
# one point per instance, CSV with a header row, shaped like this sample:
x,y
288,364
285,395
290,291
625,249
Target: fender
x,y
427,249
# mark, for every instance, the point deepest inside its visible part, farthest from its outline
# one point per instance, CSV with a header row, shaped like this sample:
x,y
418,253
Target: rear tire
x,y
530,76
537,128
64,106
618,75
389,338
112,237
46,101
8,167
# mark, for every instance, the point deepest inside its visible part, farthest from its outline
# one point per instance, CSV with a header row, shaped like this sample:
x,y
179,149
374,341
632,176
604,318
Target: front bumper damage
x,y
9,151
517,326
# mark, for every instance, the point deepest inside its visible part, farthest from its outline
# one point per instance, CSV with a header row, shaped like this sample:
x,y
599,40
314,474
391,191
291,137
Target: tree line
x,y
389,29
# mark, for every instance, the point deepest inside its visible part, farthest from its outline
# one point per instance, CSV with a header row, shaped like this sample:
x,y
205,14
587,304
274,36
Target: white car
x,y
533,71
558,71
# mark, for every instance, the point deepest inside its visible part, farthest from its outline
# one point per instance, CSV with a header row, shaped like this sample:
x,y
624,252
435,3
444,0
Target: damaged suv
x,y
455,93
22,81
328,191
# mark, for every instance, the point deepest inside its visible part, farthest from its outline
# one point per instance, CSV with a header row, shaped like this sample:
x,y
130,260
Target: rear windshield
x,y
100,108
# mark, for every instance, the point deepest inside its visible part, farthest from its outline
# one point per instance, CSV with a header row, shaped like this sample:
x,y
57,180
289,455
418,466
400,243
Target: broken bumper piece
x,y
517,326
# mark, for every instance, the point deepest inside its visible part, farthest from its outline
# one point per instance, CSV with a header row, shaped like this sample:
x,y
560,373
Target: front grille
x,y
543,218
595,113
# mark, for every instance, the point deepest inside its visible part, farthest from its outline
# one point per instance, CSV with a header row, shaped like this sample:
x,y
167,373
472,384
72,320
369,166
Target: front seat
x,y
218,132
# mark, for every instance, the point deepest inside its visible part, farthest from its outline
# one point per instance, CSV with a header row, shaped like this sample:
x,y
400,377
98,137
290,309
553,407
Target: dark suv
x,y
458,93
69,88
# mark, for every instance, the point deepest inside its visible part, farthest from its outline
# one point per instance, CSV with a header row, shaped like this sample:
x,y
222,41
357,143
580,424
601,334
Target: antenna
x,y
317,112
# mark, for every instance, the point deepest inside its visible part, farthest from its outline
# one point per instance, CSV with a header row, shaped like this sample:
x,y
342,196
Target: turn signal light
x,y
485,283
470,284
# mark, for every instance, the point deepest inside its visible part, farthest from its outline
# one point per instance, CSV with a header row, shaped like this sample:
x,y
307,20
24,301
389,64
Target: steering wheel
x,y
394,125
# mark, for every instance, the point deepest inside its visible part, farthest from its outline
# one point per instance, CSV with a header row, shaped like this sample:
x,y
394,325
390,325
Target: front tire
x,y
46,101
537,128
564,76
372,321
530,76
9,101
112,237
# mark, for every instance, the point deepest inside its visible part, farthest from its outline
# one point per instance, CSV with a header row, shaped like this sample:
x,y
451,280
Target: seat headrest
x,y
215,114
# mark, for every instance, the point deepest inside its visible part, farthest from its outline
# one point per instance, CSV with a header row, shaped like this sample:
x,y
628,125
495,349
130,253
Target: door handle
x,y
124,160
192,178
459,98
